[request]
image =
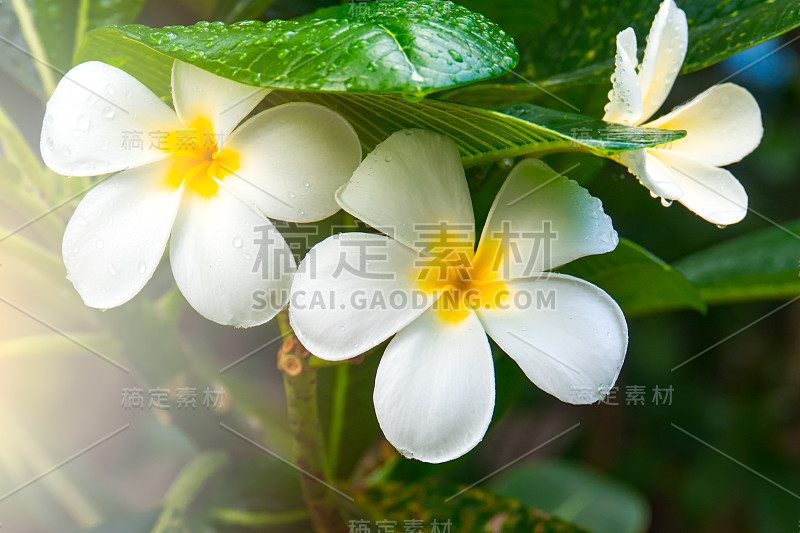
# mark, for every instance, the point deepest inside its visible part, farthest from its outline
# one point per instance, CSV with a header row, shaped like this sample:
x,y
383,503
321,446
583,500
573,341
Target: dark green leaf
x,y
576,43
756,266
474,510
576,494
640,282
408,46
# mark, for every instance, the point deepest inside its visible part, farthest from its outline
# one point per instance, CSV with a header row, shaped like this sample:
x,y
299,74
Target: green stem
x,y
341,384
300,381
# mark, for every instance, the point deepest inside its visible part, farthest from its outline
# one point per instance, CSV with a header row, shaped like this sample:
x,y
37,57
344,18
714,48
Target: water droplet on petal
x,y
99,243
665,202
237,242
142,267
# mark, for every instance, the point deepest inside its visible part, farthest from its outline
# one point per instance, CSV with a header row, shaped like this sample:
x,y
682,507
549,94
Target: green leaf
x,y
590,134
184,489
757,266
41,36
19,152
14,59
576,43
481,135
640,282
474,510
407,46
577,494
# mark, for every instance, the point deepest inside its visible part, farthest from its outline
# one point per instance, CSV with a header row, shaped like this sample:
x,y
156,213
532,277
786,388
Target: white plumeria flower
x,y
188,173
723,124
435,390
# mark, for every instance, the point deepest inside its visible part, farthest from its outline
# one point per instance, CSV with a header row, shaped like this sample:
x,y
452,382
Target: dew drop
x,y
99,243
388,158
109,112
306,184
722,226
112,270
84,123
237,242
110,89
142,267
665,202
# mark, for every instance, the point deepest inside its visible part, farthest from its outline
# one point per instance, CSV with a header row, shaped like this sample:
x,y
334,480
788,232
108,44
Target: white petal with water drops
x,y
293,158
101,120
352,292
229,261
434,390
723,125
663,56
568,336
625,98
712,193
117,235
410,184
198,94
542,220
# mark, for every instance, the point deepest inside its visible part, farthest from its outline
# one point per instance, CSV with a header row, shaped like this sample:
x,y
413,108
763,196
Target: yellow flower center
x,y
197,160
463,279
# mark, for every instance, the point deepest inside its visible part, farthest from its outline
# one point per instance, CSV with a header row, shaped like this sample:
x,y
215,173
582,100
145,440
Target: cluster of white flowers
x,y
210,182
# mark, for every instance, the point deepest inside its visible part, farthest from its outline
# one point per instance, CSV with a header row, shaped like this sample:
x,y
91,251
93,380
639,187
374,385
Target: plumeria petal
x,y
723,125
229,261
409,184
713,193
625,98
117,235
434,390
292,159
99,120
199,94
663,56
651,173
568,336
352,292
541,220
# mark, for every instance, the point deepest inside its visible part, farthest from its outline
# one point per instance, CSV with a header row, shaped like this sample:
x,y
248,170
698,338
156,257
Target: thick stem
x,y
300,380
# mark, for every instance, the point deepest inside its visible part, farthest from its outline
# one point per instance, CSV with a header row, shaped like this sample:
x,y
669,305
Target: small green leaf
x,y
184,489
756,266
593,135
473,510
407,46
577,494
640,282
